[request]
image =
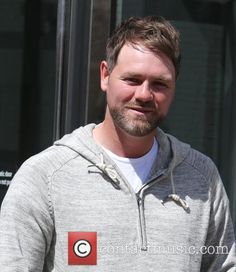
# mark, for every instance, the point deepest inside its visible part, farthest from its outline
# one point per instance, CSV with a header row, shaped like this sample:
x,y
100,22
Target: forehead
x,y
139,59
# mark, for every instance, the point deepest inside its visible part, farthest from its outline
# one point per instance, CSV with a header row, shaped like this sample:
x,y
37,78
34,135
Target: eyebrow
x,y
137,75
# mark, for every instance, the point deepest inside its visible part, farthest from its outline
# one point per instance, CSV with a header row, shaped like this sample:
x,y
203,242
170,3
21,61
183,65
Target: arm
x,y
220,235
26,222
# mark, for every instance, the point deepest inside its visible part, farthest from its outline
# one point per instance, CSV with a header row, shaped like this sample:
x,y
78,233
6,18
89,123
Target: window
x,y
203,113
27,82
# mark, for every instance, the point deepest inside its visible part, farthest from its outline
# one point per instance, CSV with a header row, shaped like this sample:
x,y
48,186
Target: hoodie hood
x,y
171,151
81,141
170,154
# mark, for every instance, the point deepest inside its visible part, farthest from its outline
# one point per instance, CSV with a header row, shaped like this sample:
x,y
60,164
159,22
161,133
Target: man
x,y
154,202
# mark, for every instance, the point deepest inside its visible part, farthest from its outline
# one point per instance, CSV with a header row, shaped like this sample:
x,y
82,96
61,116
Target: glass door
x,y
203,113
27,81
83,27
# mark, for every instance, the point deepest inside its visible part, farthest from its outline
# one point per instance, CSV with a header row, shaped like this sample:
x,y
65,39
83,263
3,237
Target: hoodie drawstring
x,y
175,197
107,169
112,174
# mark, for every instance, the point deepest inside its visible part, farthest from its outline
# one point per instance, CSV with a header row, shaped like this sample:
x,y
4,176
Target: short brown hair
x,y
154,32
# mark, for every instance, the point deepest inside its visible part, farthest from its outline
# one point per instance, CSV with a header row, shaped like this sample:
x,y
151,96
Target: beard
x,y
136,125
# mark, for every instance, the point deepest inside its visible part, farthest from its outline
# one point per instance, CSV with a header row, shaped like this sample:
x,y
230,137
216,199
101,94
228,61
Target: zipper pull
x,y
139,200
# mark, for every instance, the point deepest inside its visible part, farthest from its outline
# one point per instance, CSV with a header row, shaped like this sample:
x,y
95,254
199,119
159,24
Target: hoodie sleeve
x,y
219,251
26,222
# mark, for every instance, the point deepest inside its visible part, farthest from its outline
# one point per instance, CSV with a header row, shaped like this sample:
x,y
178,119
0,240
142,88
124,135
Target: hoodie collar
x,y
171,151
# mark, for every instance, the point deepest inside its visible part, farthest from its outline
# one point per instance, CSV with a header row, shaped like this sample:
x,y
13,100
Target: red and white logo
x,y
82,248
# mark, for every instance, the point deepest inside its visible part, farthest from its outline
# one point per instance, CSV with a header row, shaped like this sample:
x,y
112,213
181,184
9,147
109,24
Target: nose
x,y
143,92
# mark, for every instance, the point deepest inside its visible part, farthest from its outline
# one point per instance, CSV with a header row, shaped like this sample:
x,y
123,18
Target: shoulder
x,y
189,157
49,160
199,171
33,179
202,163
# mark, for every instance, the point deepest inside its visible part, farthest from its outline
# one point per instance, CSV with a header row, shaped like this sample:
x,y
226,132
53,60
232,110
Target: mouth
x,y
141,110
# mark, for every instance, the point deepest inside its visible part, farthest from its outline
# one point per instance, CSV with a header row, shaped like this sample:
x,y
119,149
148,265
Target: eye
x,y
132,81
159,85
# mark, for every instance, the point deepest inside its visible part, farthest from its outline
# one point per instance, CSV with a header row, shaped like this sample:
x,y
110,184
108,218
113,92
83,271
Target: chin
x,y
139,130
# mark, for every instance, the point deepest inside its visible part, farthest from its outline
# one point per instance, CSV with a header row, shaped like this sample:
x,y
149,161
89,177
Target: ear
x,y
104,75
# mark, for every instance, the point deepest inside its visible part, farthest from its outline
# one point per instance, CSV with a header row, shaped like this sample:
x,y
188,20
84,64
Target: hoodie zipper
x,y
140,202
142,223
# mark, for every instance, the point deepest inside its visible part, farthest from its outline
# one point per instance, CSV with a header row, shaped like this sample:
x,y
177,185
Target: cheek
x,y
164,100
120,92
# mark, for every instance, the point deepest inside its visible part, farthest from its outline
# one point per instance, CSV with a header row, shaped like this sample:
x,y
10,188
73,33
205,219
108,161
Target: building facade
x,y
50,53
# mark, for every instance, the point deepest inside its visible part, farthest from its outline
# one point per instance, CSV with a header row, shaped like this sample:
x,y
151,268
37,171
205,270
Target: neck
x,y
121,143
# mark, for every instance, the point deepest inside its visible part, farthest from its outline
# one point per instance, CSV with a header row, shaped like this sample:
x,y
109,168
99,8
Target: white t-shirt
x,y
136,170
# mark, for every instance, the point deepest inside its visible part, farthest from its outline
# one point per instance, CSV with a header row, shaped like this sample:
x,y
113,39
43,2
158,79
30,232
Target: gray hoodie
x,y
179,221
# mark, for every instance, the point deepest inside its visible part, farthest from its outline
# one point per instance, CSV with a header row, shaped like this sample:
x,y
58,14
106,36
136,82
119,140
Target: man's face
x,y
139,89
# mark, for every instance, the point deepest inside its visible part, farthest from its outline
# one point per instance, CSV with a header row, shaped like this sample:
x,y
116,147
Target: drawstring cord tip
x,y
176,198
107,169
